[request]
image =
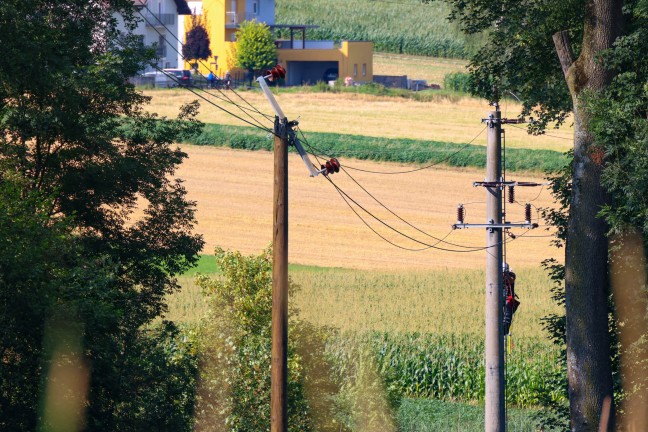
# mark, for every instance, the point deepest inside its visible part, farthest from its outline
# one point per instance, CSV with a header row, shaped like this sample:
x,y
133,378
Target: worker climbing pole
x,y
511,301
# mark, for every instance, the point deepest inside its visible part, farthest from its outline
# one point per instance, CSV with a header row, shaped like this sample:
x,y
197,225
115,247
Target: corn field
x,y
424,329
414,27
450,367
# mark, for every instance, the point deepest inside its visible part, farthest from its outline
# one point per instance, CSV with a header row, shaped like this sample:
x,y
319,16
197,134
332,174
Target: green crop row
x,y
407,26
458,81
382,149
449,367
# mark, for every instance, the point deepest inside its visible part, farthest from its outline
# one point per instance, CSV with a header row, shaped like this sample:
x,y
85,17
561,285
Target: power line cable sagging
x,y
335,167
224,97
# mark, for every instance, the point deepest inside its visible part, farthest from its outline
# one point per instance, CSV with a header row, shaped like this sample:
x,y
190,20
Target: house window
x,y
364,69
355,70
255,7
161,47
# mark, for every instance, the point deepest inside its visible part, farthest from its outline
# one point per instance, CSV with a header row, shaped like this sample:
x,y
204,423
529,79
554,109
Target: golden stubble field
x,y
455,120
233,190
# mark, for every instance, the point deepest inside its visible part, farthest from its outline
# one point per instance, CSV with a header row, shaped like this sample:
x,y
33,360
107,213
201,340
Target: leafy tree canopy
x,y
519,56
255,48
196,46
100,226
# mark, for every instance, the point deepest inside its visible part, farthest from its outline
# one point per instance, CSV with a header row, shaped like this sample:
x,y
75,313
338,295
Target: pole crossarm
x,y
493,120
505,225
502,184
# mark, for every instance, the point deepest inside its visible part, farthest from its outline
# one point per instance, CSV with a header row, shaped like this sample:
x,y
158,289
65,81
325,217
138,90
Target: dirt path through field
x,y
234,194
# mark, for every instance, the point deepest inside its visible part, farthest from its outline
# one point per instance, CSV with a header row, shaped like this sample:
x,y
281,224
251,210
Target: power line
x,y
225,98
200,60
439,240
214,104
397,216
428,246
445,159
202,63
544,134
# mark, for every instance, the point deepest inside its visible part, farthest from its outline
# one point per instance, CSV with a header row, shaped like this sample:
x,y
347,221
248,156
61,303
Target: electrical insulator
x,y
275,73
460,214
527,213
331,167
511,194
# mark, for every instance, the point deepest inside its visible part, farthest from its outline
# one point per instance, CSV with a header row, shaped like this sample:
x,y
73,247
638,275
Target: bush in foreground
x,y
235,344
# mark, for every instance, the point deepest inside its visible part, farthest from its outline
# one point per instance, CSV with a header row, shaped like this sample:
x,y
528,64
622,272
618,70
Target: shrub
x,y
235,345
458,81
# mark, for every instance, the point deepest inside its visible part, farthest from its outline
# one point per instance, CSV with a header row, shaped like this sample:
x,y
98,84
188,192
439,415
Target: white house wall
x,y
154,31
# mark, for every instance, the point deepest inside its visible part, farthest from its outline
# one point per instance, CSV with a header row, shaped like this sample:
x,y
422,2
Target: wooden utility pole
x,y
494,410
279,368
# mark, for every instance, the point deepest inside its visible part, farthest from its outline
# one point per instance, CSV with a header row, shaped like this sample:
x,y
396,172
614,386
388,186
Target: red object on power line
x,y
331,166
275,73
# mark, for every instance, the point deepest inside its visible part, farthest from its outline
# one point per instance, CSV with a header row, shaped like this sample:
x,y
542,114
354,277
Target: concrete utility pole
x,y
279,368
494,410
494,183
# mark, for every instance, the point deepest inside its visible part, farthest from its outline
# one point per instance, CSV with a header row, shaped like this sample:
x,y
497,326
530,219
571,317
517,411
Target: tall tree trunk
x,y
589,370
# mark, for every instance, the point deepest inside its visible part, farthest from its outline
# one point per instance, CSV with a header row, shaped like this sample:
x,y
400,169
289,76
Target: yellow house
x,y
306,61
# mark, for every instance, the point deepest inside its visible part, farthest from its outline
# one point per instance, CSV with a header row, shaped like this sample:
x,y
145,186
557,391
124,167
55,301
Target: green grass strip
x,y
207,265
401,150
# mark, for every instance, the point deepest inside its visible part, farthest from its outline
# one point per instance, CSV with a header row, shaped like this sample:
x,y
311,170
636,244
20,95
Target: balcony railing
x,y
160,20
310,44
231,18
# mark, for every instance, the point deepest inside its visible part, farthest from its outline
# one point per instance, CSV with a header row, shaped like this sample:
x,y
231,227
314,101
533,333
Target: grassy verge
x,y
375,89
383,149
426,415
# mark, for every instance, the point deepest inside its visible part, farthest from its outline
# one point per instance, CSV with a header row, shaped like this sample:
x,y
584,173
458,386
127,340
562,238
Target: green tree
x,y
235,350
530,52
77,144
255,47
196,45
620,127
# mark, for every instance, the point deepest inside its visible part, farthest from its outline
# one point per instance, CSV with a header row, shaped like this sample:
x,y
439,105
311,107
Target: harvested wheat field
x,y
457,121
234,191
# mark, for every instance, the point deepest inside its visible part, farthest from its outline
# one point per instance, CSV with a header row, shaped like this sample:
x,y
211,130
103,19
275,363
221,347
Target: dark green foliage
x,y
382,149
158,383
520,55
77,155
37,269
406,27
552,54
196,46
458,81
